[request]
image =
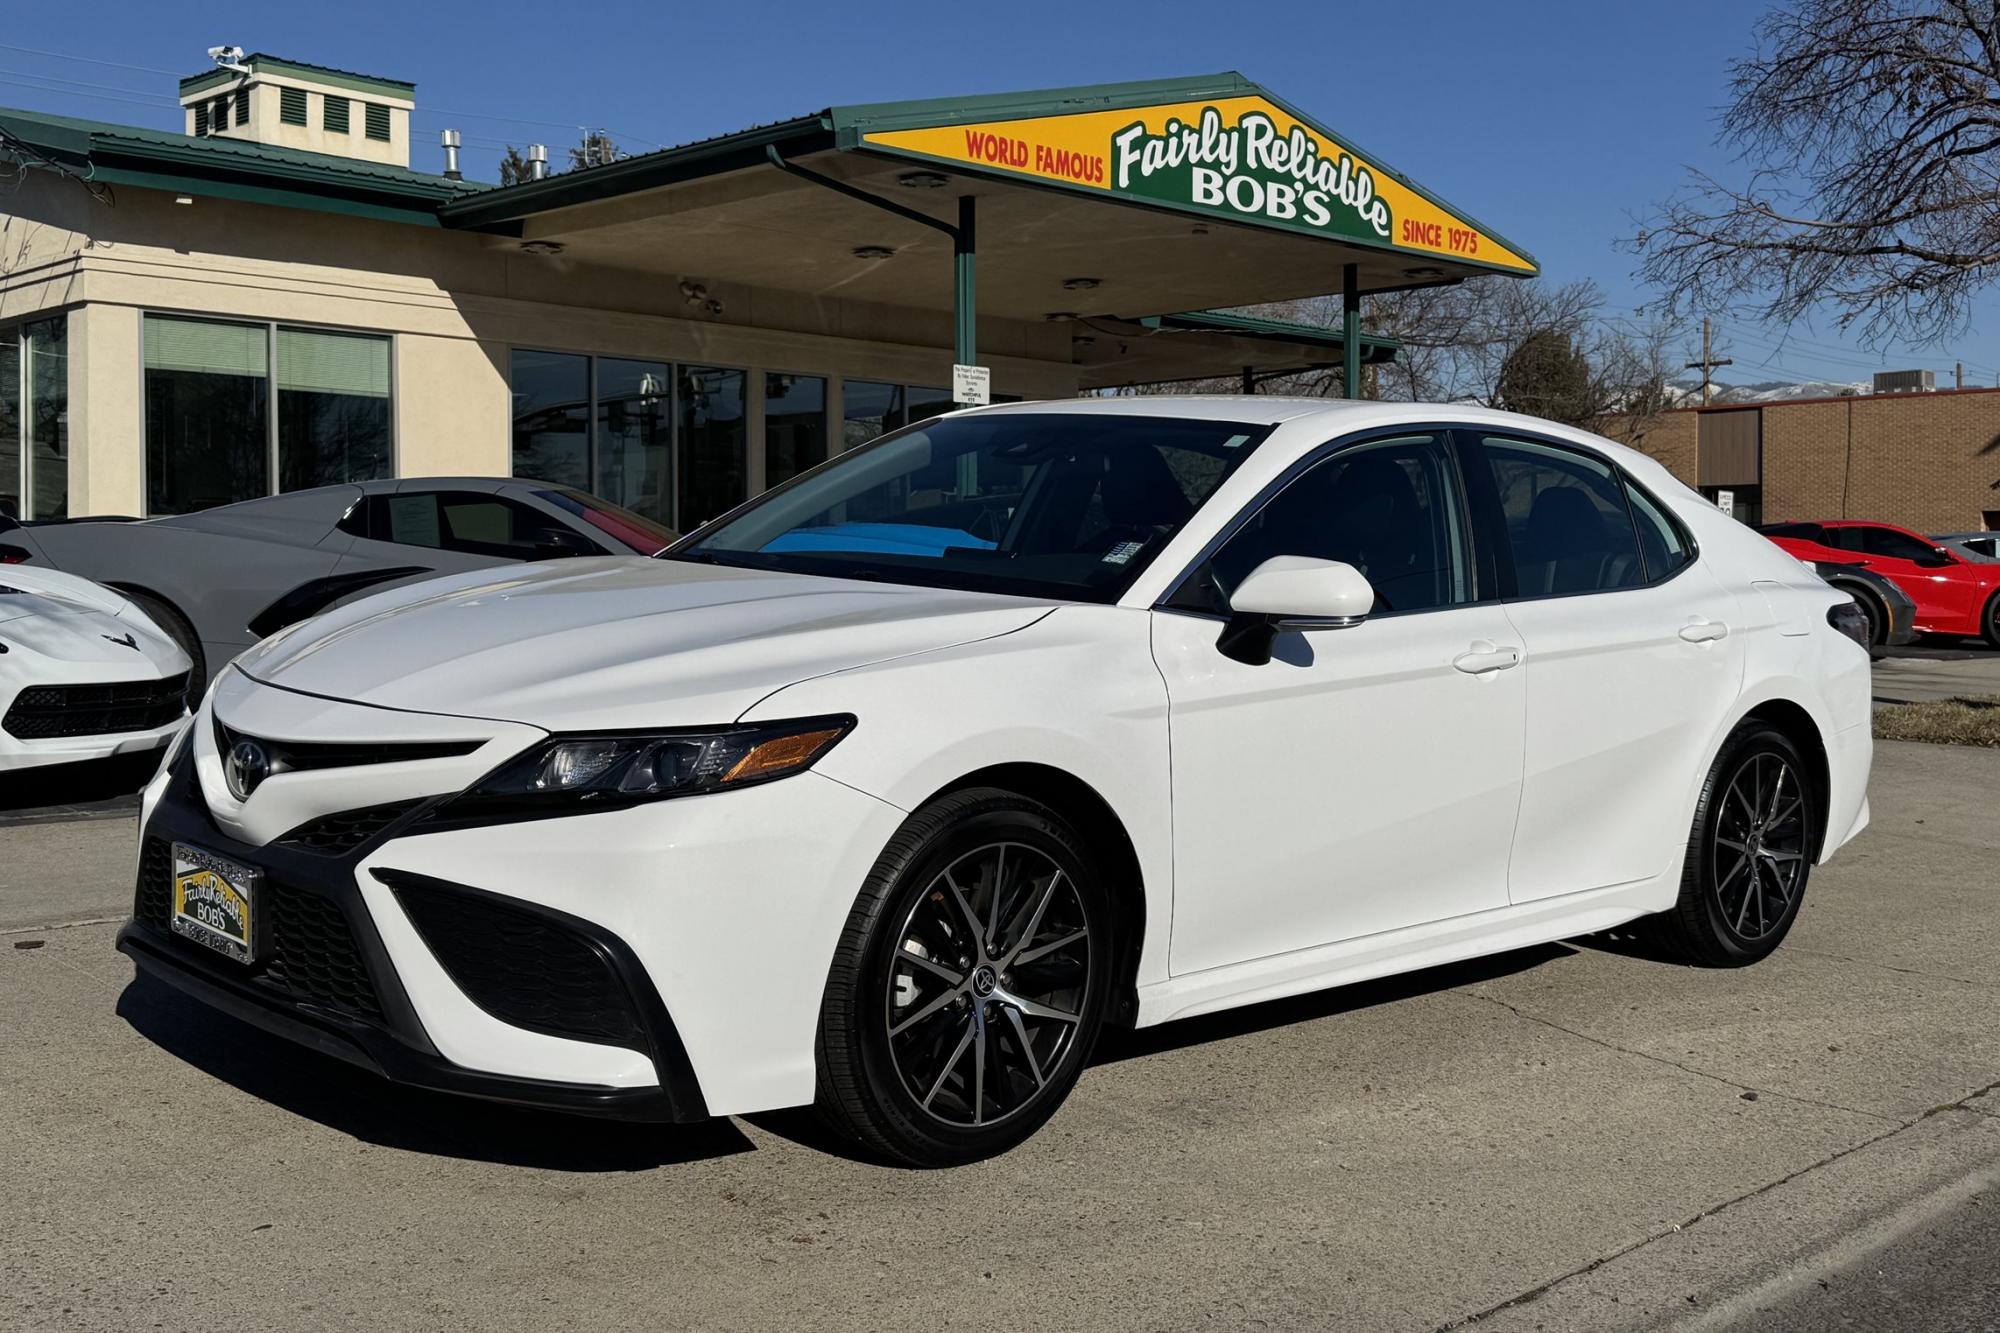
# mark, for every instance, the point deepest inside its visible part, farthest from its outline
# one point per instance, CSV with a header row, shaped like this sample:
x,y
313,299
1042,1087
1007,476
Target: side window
x,y
1662,545
1388,508
489,525
463,521
1804,532
1567,521
1893,544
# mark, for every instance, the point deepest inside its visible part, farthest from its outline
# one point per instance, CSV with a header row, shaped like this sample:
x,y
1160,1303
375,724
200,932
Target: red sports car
x,y
1953,595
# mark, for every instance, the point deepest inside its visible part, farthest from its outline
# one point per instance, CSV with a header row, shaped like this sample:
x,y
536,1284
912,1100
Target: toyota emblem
x,y
246,767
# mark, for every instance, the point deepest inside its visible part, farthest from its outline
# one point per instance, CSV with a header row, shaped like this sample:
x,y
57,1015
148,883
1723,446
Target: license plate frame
x,y
222,912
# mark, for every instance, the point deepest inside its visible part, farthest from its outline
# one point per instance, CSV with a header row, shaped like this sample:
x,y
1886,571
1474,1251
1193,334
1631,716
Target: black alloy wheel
x,y
970,984
1749,855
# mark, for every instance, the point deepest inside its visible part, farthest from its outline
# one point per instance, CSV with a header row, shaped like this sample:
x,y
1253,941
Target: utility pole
x,y
1958,375
1707,366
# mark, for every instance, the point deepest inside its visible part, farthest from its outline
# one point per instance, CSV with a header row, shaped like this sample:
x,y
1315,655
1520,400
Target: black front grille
x,y
294,756
332,835
307,951
44,712
524,966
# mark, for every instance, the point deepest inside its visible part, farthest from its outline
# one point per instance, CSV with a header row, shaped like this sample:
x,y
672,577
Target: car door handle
x,y
1704,631
1486,656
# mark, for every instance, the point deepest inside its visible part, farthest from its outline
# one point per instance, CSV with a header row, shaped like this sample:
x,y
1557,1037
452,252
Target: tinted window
x,y
1387,508
1567,521
457,521
1803,532
1041,503
1891,543
1662,545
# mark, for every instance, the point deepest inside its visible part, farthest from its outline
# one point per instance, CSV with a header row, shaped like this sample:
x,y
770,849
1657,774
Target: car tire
x,y
1749,853
1990,626
953,1026
1878,619
181,632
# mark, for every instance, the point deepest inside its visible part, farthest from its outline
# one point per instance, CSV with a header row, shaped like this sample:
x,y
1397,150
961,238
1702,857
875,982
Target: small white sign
x,y
1726,502
972,386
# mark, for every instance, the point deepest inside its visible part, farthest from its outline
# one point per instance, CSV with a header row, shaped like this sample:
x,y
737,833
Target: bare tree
x,y
1456,341
1871,130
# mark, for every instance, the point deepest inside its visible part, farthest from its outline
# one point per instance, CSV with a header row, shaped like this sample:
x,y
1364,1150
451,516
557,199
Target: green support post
x,y
964,304
1350,329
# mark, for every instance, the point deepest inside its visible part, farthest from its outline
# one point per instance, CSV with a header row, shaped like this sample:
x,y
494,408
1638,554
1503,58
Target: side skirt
x,y
1407,950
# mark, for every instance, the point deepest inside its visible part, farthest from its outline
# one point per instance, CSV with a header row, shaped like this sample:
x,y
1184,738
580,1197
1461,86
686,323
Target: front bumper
x,y
326,980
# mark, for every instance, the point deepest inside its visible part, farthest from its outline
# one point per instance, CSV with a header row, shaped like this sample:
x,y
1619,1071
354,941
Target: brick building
x,y
1929,461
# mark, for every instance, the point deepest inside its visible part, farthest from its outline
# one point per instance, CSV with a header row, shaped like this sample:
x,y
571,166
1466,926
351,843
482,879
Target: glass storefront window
x,y
552,417
635,435
712,444
34,419
333,408
866,409
10,423
207,413
794,425
869,408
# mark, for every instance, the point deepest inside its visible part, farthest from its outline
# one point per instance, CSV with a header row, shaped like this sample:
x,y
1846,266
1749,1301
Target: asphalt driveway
x,y
1563,1138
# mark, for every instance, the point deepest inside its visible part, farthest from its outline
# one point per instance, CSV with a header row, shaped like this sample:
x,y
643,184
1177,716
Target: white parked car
x,y
888,790
83,673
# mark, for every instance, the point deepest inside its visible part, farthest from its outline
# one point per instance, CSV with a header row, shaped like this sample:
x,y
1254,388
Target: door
x,y
1633,657
1943,597
1366,778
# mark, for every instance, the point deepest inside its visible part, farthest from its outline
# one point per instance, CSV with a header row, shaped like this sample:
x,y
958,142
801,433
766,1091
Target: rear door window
x,y
1568,525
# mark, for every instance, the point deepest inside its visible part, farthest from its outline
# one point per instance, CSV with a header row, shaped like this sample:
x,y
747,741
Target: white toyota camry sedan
x,y
890,789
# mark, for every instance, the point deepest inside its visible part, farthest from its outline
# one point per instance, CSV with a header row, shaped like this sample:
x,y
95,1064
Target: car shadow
x,y
802,1127
355,1102
1131,1043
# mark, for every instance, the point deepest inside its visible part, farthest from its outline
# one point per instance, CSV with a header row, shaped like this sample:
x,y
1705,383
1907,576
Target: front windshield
x,y
1043,504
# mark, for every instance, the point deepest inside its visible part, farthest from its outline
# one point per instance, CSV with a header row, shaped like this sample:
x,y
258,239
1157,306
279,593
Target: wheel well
x,y
1104,834
1799,728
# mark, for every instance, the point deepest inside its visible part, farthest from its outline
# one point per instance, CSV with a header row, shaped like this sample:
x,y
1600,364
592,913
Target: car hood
x,y
594,644
82,627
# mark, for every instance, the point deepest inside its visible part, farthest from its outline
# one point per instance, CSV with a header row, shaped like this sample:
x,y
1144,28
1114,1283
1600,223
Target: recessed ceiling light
x,y
923,180
1083,340
1198,229
1056,316
541,247
1081,284
1423,272
872,252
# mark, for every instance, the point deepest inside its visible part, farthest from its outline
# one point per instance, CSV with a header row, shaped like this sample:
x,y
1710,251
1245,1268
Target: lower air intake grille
x,y
45,712
331,835
524,967
309,950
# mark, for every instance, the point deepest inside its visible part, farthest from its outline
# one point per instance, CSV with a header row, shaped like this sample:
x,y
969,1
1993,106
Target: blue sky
x,y
1555,124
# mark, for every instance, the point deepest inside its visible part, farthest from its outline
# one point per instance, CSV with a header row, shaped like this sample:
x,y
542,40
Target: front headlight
x,y
621,768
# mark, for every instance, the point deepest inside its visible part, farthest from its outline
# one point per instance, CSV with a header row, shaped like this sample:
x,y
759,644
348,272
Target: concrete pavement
x,y
1570,1137
1902,680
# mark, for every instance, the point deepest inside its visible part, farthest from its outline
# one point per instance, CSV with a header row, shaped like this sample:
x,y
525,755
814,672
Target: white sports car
x,y
83,673
888,790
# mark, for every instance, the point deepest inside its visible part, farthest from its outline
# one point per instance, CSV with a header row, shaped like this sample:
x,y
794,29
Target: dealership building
x,y
273,298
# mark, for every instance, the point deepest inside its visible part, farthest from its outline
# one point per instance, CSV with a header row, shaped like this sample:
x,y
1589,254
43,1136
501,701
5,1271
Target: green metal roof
x,y
260,63
228,168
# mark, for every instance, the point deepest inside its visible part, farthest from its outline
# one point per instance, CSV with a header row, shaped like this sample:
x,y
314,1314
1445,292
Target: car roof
x,y
1334,415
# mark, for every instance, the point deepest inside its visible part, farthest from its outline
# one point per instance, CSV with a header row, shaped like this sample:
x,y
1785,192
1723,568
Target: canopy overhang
x,y
1120,203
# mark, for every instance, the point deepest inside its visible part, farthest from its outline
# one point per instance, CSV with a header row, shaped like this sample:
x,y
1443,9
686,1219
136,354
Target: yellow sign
x,y
1242,158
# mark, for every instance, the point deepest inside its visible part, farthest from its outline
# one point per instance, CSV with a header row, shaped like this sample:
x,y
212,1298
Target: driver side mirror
x,y
1940,557
1292,593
